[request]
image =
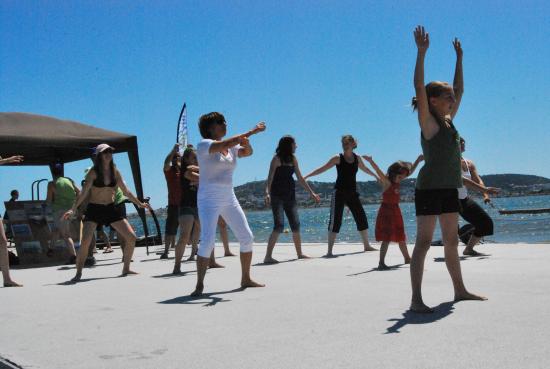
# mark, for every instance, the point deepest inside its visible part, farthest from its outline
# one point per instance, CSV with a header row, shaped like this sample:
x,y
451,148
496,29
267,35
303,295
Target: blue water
x,y
508,228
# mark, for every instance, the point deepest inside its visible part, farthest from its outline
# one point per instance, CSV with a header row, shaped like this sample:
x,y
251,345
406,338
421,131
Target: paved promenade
x,y
318,313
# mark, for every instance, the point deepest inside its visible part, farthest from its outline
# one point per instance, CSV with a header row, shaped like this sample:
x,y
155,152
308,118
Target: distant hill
x,y
251,195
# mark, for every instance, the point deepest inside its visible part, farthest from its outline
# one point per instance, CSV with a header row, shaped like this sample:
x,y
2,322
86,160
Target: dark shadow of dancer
x,y
196,300
462,258
390,267
72,283
172,275
280,262
410,317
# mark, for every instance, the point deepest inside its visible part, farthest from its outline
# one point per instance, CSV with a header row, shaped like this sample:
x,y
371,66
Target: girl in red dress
x,y
389,222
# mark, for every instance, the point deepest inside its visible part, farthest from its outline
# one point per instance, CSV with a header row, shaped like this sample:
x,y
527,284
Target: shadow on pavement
x,y
462,258
170,275
210,297
409,317
390,268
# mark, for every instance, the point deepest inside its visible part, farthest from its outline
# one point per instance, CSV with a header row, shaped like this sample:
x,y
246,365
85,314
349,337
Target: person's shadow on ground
x,y
376,269
409,317
211,297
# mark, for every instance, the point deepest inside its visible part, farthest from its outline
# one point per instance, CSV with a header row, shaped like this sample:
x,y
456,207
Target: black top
x,y
98,183
283,183
346,180
188,193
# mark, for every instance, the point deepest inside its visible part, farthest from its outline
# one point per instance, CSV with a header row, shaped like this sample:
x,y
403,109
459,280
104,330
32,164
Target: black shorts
x,y
172,220
353,202
103,214
436,201
475,215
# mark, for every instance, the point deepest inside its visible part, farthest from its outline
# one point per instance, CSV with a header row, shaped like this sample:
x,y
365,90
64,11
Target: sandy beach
x,y
318,313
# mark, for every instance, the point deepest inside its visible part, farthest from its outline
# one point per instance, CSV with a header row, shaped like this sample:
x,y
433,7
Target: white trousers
x,y
226,205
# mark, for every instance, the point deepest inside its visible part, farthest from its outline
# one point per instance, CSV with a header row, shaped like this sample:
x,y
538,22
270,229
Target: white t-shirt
x,y
463,191
216,170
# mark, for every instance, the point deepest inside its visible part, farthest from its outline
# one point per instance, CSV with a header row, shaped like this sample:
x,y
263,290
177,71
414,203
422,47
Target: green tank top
x,y
441,160
119,196
64,194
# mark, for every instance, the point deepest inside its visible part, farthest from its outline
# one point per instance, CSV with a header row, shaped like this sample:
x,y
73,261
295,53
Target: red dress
x,y
389,222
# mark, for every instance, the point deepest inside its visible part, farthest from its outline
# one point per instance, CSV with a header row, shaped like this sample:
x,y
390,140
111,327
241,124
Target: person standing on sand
x,y
217,160
389,221
4,257
436,194
345,192
172,173
100,184
470,211
280,193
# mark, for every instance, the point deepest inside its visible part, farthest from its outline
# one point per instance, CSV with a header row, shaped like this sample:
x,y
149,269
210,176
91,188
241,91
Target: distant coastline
x,y
251,194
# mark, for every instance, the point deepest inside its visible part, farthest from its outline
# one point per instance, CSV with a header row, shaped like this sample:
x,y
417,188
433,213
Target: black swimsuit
x,y
103,214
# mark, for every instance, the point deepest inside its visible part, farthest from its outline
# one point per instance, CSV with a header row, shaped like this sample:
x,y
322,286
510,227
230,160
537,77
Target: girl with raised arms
x,y
345,192
280,193
436,194
217,160
389,221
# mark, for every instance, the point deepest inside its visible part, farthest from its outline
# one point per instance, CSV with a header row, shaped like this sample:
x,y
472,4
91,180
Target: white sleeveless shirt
x,y
463,191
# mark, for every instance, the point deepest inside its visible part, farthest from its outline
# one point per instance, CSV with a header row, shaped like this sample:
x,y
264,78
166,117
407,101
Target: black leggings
x,y
474,214
352,201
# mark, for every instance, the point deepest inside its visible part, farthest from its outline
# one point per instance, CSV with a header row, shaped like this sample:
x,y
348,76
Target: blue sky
x,y
313,69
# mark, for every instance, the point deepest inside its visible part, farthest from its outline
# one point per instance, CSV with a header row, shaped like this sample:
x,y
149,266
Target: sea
x,y
516,228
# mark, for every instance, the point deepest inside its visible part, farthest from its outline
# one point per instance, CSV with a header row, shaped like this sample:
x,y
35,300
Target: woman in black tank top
x,y
345,192
280,193
188,213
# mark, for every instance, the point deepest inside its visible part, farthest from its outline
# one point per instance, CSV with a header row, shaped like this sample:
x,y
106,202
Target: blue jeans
x,y
290,208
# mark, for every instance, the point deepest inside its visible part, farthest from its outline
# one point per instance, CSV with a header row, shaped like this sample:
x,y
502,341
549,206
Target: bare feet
x,y
302,256
77,277
12,284
250,283
370,248
329,255
407,261
108,250
191,258
271,261
468,296
229,253
177,270
382,266
420,307
198,290
214,265
129,272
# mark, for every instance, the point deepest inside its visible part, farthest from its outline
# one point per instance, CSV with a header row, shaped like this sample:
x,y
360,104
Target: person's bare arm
x,y
304,183
335,160
220,146
126,191
50,197
381,176
428,124
89,180
415,164
168,159
458,81
12,159
245,149
275,162
476,178
364,168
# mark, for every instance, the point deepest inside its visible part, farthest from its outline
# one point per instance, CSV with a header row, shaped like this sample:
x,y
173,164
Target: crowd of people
x,y
201,197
